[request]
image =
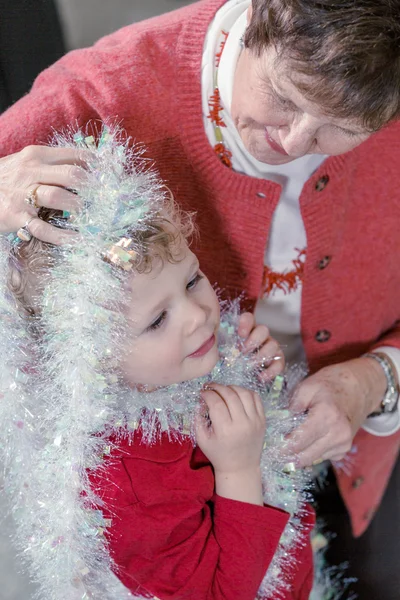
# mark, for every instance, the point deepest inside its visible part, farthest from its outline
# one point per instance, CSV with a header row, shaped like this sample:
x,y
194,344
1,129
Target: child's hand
x,y
268,353
233,442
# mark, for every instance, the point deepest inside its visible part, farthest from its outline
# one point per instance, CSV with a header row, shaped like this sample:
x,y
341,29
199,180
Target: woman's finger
x,y
51,196
316,438
48,233
318,452
66,176
22,174
307,434
56,156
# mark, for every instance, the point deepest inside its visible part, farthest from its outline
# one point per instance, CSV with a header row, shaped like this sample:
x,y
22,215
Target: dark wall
x,y
31,39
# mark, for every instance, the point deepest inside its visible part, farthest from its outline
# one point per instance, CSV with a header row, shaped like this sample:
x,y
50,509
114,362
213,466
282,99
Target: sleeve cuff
x,y
253,514
389,423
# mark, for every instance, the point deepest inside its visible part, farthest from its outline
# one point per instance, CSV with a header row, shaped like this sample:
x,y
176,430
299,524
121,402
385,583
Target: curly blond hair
x,y
157,240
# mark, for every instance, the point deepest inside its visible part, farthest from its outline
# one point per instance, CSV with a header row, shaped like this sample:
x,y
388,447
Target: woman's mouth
x,y
274,145
204,348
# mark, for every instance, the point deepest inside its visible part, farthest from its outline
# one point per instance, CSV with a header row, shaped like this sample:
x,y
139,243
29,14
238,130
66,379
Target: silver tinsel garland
x,y
62,398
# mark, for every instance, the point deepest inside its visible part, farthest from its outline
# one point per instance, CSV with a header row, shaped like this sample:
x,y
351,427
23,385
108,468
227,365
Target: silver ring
x,y
31,198
23,232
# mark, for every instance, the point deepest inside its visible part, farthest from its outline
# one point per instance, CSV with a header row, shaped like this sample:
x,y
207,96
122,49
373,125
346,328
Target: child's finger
x,y
247,398
217,408
203,429
268,354
231,399
268,351
259,407
246,324
257,338
202,424
276,367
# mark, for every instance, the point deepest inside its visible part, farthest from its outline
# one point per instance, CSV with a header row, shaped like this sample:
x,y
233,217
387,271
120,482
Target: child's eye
x,y
193,282
158,322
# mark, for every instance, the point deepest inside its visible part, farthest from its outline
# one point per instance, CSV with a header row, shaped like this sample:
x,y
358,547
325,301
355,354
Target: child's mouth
x,y
204,348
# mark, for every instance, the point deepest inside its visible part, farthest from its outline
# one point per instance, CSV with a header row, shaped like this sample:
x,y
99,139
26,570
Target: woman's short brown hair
x,y
346,52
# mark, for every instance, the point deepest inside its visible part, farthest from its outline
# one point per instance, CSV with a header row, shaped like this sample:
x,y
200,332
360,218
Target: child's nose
x,y
196,316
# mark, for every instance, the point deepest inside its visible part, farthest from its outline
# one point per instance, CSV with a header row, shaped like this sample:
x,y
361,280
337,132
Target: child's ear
x,y
15,279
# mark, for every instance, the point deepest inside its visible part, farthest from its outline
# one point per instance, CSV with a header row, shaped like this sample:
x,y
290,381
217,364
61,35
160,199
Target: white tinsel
x,y
62,401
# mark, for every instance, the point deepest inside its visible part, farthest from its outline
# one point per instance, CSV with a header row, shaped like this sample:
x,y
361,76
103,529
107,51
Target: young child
x,y
128,329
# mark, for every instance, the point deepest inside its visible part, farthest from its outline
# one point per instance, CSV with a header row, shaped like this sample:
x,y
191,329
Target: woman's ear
x,y
249,13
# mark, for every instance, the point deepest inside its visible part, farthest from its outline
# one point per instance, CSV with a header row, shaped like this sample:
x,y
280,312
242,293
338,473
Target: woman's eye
x,y
286,104
158,322
193,282
351,134
283,103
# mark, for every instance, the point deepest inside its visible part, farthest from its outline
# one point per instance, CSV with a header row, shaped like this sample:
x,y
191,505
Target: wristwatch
x,y
390,399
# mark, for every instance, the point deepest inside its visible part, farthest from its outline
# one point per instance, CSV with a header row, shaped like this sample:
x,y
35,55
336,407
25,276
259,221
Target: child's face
x,y
174,318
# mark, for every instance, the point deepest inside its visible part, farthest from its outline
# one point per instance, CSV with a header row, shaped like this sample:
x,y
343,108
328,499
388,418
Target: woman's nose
x,y
297,139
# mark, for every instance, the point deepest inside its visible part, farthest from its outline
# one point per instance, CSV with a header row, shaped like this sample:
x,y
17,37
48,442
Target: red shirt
x,y
173,538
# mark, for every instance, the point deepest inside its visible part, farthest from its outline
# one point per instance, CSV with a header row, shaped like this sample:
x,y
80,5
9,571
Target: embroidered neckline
x,y
215,106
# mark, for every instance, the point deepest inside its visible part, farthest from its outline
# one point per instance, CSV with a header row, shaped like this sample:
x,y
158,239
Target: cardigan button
x,y
324,262
322,183
357,482
323,335
261,195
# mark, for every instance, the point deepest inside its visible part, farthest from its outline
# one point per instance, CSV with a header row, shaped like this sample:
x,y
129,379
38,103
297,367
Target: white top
x,y
280,311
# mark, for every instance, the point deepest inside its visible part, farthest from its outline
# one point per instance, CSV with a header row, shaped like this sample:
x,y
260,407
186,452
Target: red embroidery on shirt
x,y
221,48
215,107
288,281
224,154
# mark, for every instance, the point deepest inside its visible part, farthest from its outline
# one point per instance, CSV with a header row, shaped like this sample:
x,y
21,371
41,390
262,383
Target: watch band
x,y
390,399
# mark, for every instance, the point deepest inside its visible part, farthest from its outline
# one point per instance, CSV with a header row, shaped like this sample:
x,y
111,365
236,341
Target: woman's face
x,y
276,122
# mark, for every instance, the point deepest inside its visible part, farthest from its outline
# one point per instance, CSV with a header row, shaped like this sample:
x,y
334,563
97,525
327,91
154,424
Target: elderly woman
x,y
276,121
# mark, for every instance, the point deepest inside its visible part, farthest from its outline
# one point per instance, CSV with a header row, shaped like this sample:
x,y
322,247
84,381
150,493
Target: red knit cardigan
x,y
147,76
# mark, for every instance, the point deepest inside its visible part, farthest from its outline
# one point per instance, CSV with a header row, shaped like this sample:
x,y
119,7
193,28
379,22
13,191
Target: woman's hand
x,y
232,438
267,352
337,400
45,173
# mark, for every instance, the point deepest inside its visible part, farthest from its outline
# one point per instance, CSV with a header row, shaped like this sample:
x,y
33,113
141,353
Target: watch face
x,y
389,403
